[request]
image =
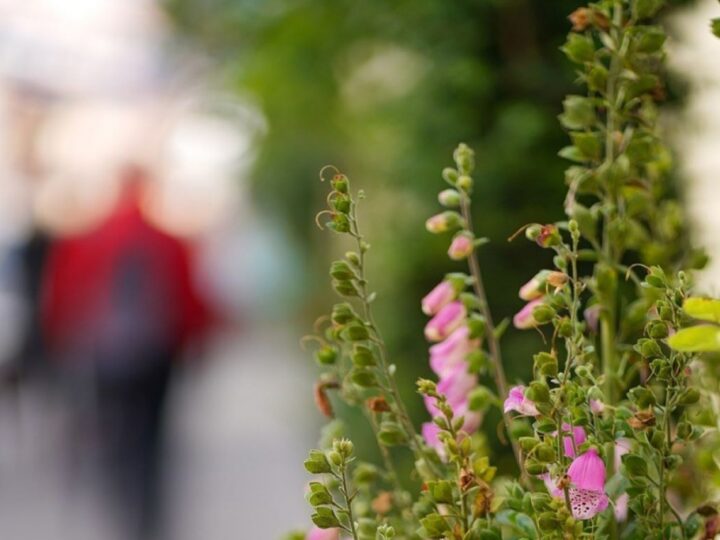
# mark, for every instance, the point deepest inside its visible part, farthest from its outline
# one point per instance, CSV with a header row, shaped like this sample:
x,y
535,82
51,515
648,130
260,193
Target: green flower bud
x,y
690,396
545,364
363,377
465,183
427,387
480,399
317,463
341,270
450,175
335,458
390,433
345,288
365,473
326,356
648,348
325,518
535,467
684,430
449,198
343,314
340,183
657,329
340,223
533,231
642,397
538,392
528,443
543,314
318,494
544,453
341,203
363,357
353,258
344,446
356,332
464,158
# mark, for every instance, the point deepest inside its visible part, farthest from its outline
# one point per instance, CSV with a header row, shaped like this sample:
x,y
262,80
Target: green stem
x,y
348,503
491,336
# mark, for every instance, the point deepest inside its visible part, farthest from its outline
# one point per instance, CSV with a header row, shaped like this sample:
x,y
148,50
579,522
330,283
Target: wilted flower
x,y
587,490
535,288
516,401
316,533
461,246
524,319
449,318
442,294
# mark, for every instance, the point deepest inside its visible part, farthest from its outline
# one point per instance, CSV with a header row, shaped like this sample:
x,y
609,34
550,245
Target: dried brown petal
x,y
378,404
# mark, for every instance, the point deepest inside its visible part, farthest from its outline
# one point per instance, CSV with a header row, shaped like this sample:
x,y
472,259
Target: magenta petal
x,y
449,318
587,471
524,319
516,401
457,384
440,296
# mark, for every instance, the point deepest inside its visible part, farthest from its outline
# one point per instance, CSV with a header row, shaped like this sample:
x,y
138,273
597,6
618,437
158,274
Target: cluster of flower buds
x,y
456,326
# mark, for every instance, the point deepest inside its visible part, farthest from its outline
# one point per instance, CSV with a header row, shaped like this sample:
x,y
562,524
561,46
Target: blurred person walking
x,y
119,310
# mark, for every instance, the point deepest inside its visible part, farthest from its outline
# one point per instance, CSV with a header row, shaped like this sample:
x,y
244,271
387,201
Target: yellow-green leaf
x,y
703,338
706,309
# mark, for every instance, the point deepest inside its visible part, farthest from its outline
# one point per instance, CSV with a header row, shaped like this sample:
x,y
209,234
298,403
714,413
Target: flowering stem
x,y
491,336
348,503
392,388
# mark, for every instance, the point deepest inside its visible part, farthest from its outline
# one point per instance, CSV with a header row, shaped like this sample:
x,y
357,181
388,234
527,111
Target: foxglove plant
x,y
602,430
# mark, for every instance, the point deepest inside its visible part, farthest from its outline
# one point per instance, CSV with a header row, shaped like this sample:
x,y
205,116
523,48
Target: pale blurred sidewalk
x,y
239,430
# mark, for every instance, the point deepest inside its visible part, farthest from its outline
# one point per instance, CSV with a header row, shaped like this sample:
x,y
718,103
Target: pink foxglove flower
x,y
516,401
461,246
438,298
587,490
571,443
449,318
316,533
524,319
453,350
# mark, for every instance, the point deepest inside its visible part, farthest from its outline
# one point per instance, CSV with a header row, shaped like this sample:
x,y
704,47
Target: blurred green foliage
x,y
385,90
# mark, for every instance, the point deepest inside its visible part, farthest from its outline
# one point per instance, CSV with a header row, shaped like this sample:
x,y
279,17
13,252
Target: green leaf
x,y
435,525
706,309
588,144
579,48
696,339
317,463
363,377
325,518
441,491
572,153
579,113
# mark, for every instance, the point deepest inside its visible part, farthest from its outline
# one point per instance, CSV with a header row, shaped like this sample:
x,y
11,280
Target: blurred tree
x,y
385,90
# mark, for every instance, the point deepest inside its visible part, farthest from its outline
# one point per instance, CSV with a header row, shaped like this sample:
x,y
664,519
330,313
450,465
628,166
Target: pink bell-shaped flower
x,y
448,319
587,490
452,351
524,319
516,401
441,295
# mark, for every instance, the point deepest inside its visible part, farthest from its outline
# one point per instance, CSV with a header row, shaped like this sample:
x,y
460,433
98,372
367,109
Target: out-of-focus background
x,y
158,255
